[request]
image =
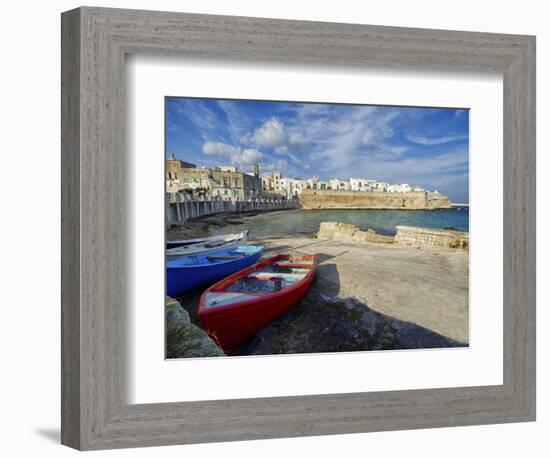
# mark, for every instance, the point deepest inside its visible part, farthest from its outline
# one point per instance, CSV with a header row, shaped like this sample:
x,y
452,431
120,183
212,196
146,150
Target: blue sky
x,y
421,146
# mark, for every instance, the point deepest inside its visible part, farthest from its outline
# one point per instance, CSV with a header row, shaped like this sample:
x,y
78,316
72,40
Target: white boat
x,y
178,248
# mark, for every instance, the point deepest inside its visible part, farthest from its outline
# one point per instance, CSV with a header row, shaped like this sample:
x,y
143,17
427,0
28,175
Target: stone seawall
x,y
323,199
420,237
350,233
426,237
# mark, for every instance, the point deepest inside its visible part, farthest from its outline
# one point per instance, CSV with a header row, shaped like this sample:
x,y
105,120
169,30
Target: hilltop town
x,y
228,183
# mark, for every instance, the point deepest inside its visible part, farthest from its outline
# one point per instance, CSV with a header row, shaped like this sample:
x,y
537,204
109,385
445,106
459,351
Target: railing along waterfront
x,y
180,208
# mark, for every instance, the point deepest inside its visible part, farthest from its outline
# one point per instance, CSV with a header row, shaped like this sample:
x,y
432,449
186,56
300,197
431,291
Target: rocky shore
x,y
183,338
368,295
203,226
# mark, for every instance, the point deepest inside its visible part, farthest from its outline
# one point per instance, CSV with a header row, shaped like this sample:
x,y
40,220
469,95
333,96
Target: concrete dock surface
x,y
427,287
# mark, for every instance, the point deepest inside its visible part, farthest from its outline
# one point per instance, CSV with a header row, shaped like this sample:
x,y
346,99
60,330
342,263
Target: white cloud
x,y
218,148
428,141
249,156
281,149
234,154
281,166
236,118
295,138
196,112
270,134
350,139
365,147
427,170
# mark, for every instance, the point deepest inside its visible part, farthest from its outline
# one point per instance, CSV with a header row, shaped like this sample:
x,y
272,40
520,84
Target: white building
x,y
312,182
402,187
226,168
277,182
380,186
361,184
336,184
323,184
316,183
267,183
272,183
299,185
292,187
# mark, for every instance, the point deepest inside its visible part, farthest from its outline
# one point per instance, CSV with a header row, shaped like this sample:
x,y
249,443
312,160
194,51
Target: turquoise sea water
x,y
300,222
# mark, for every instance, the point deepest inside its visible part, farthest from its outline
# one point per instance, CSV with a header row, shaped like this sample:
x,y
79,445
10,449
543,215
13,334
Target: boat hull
x,y
177,243
229,325
180,248
180,280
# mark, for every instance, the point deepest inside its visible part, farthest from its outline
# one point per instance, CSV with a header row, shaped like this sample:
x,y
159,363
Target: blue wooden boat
x,y
203,269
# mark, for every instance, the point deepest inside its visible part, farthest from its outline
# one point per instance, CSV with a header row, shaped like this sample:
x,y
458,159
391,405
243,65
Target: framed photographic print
x,y
310,205
280,228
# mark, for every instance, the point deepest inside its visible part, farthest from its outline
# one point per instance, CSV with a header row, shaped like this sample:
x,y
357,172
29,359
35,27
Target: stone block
x,y
183,338
326,229
351,233
427,237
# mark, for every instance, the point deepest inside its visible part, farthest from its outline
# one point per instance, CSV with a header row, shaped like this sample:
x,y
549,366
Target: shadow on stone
x,y
323,324
190,302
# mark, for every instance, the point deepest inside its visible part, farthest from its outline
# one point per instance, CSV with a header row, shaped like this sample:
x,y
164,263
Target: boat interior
x,y
273,277
264,280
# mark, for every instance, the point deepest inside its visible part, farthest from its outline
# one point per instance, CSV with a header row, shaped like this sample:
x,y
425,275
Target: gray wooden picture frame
x,y
95,412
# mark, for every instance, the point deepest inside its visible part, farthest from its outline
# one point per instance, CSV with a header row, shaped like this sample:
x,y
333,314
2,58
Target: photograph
x,y
303,227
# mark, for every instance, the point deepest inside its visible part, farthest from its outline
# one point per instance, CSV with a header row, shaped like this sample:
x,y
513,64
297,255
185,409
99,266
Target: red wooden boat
x,y
243,303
